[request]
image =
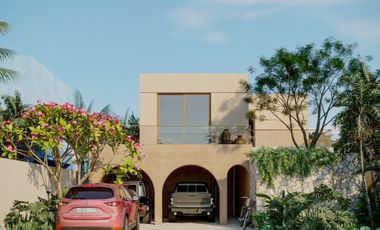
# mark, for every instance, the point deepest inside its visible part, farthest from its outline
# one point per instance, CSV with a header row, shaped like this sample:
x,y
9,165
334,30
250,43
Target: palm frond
x,y
107,110
13,107
78,100
7,75
6,54
89,107
124,120
4,27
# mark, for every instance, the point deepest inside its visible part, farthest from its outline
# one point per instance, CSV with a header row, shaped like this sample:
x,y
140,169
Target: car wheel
x,y
171,217
137,227
126,223
146,218
211,218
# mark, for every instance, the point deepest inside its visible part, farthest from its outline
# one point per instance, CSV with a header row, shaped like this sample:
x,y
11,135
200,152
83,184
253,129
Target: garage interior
x,y
237,187
188,173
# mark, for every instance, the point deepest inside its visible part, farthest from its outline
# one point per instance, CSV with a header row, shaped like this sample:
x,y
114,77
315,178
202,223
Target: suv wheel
x,y
126,223
211,218
171,217
137,227
146,218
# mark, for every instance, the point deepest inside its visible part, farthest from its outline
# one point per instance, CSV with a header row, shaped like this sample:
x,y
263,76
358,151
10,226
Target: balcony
x,y
195,134
203,135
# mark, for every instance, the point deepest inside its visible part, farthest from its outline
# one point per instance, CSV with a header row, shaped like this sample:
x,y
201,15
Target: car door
x,y
133,207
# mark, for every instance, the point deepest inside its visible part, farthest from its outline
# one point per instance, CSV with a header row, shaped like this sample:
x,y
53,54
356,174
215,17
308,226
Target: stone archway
x,y
144,177
237,186
188,173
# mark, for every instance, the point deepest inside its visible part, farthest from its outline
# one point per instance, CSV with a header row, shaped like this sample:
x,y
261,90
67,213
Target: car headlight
x,y
211,200
171,200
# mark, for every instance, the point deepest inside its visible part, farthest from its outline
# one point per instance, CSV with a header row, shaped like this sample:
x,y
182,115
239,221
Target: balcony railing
x,y
195,134
226,134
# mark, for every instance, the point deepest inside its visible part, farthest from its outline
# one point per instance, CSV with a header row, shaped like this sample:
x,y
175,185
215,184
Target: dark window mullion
x,y
184,118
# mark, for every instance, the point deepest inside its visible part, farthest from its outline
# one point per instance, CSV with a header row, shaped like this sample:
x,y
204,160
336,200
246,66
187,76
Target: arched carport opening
x,y
144,177
188,173
237,187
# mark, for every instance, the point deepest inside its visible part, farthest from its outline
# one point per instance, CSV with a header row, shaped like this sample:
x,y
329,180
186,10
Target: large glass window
x,y
184,118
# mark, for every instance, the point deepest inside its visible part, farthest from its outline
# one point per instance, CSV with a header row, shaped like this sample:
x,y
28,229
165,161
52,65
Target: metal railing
x,y
226,134
195,134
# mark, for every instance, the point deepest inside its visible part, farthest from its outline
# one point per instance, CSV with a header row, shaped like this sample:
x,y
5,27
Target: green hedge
x,y
272,162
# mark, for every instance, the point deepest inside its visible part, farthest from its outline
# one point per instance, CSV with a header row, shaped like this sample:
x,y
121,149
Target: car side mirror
x,y
135,198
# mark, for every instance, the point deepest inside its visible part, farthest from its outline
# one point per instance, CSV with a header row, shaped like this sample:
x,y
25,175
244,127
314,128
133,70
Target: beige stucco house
x,y
182,117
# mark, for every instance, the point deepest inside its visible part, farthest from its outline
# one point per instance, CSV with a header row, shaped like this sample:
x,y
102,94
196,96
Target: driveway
x,y
201,225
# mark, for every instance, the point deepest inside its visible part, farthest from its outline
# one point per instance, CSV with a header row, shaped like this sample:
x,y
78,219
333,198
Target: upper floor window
x,y
184,118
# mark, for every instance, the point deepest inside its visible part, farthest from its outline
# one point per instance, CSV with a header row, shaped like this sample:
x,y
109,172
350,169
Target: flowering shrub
x,y
65,134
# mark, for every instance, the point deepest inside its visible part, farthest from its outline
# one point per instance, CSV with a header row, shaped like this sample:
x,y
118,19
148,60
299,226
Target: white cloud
x,y
189,18
364,30
258,13
215,37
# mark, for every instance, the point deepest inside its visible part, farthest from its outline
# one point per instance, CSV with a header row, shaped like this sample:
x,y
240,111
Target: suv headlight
x,y
171,200
211,200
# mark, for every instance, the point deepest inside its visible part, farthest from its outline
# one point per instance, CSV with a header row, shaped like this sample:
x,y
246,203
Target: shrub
x,y
37,215
321,209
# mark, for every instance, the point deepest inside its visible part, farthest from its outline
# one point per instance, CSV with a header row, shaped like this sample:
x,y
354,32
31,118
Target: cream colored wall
x,y
189,82
227,105
271,132
161,160
25,181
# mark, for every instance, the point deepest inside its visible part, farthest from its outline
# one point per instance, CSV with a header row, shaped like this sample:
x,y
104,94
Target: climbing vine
x,y
272,162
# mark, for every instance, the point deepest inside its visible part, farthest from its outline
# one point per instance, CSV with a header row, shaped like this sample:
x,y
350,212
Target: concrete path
x,y
233,225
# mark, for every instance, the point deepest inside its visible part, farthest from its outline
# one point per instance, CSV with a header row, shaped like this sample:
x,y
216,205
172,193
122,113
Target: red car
x,y
98,206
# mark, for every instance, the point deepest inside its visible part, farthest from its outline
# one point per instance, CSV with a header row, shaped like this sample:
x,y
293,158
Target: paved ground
x,y
197,225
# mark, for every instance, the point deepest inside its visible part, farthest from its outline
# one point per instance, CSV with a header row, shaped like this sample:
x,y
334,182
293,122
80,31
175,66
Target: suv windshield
x,y
130,187
191,188
89,193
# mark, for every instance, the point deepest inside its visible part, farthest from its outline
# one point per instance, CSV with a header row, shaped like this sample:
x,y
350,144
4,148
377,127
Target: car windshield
x,y
89,193
201,188
191,188
130,187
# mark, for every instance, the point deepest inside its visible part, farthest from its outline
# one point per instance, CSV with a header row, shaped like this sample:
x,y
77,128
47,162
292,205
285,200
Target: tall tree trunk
x,y
364,184
57,185
79,173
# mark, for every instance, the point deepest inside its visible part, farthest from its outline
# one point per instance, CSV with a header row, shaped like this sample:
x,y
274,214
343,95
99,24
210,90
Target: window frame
x,y
183,117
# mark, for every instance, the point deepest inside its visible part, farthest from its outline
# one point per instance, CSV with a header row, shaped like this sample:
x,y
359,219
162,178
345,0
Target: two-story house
x,y
188,126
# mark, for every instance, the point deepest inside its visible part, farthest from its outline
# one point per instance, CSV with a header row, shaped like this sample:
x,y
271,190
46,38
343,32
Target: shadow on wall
x,y
232,111
38,176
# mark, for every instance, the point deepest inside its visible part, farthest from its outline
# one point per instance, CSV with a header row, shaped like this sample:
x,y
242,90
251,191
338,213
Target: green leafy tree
x,y
293,81
65,133
359,120
6,54
132,124
79,102
13,107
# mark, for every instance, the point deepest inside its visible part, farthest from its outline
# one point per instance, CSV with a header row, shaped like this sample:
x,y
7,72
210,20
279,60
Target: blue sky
x,y
101,47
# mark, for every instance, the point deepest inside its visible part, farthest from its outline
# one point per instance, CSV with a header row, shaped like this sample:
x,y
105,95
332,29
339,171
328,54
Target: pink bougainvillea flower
x,y
10,148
